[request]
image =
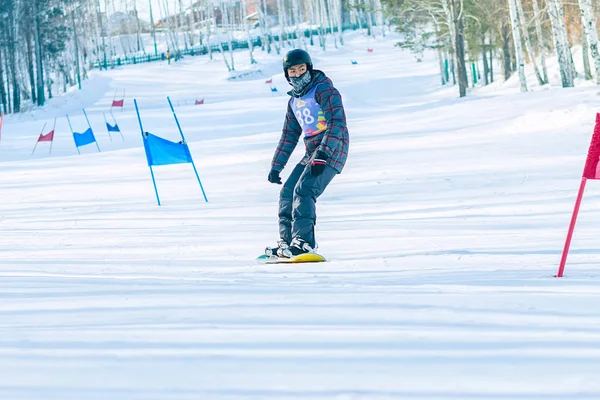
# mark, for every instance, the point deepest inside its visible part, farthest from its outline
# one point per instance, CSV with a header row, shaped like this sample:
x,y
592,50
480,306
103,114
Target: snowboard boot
x,y
277,251
297,247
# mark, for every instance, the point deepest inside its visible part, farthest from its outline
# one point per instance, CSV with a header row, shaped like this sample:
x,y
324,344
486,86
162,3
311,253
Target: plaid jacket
x,y
334,141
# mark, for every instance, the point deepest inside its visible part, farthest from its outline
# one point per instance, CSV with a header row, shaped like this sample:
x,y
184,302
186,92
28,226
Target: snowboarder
x,y
315,108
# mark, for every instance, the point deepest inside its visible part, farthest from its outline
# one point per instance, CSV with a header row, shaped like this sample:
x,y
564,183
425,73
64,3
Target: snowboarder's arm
x,y
289,139
330,100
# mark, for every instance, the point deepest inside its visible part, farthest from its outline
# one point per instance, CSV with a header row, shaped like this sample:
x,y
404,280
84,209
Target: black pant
x,y
297,203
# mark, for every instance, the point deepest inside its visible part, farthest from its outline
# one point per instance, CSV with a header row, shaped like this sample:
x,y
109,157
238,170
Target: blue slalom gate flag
x,y
111,128
160,151
83,138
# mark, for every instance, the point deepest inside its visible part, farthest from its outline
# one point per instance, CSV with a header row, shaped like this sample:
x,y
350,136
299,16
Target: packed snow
x,y
443,235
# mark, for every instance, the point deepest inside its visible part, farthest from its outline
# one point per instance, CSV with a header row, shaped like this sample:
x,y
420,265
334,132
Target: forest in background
x,y
49,46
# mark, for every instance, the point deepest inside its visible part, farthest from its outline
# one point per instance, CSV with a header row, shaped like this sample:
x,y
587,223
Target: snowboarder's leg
x,y
306,192
286,198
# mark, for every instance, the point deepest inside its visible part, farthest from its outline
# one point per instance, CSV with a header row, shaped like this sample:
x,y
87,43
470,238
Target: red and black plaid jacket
x,y
334,141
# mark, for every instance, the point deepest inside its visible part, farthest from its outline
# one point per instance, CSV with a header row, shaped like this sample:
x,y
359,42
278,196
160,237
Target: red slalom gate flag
x,y
269,80
48,137
591,170
199,102
117,103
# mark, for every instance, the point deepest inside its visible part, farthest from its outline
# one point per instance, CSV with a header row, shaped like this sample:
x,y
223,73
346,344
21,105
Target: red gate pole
x,y
563,259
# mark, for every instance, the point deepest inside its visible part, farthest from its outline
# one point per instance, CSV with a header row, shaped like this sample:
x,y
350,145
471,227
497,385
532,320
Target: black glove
x,y
274,177
318,163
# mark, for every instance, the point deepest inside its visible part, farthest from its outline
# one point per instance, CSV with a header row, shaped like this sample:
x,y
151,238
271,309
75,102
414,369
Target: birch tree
x,y
452,32
589,27
562,47
354,20
220,42
585,49
281,19
456,8
227,17
247,31
528,47
514,22
378,11
540,39
331,21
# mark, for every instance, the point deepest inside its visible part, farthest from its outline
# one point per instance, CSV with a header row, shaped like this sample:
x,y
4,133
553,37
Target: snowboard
x,y
302,258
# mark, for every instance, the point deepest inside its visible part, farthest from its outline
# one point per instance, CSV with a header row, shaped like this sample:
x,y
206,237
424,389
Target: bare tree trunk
x,y
322,18
514,22
300,42
245,24
179,25
12,69
337,19
208,34
262,22
221,46
354,20
585,48
125,42
3,93
277,44
186,26
540,39
172,36
528,47
562,51
153,28
313,19
452,29
7,101
331,23
38,57
30,60
48,83
76,42
506,64
281,19
369,19
491,65
138,30
589,23
486,68
227,17
456,10
378,12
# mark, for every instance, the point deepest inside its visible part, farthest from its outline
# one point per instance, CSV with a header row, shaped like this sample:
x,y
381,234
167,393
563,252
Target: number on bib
x,y
304,117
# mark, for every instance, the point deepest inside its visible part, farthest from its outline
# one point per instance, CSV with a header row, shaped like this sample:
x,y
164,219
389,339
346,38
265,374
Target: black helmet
x,y
295,57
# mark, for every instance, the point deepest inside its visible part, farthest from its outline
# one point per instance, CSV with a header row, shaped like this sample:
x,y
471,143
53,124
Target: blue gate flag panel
x,y
111,128
161,151
81,139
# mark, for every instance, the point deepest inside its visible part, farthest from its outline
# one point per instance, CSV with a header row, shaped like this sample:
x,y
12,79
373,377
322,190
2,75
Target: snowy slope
x,y
444,232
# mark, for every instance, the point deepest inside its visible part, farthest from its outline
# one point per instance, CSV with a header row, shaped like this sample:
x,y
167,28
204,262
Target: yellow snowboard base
x,y
302,258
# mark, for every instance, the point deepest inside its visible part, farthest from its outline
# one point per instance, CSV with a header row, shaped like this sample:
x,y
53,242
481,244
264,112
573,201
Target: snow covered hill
x,y
444,232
